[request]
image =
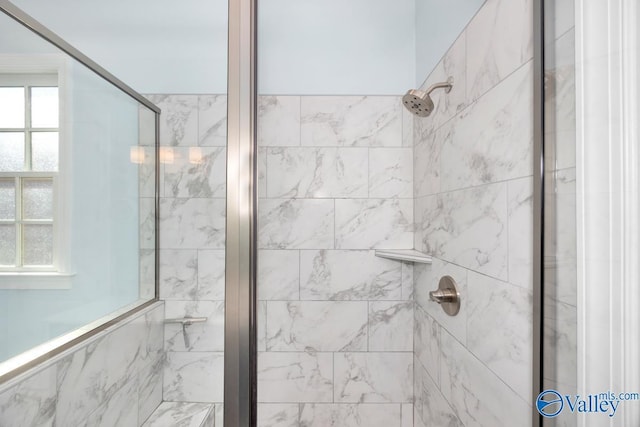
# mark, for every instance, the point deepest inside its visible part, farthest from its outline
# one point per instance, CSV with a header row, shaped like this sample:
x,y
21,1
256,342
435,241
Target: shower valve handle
x,y
447,295
443,295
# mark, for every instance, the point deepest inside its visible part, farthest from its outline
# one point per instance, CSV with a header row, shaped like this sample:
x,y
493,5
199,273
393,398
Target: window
x,y
29,130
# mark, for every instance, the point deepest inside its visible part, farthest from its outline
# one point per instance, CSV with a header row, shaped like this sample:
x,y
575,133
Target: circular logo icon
x,y
549,403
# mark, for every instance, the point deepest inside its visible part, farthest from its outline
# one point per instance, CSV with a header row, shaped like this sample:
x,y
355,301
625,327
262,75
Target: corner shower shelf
x,y
407,255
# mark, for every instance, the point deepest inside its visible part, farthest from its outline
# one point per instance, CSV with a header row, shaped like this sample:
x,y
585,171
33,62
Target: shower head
x,y
419,102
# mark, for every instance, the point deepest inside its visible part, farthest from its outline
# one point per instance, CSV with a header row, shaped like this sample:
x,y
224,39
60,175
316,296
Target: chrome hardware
x,y
186,321
447,295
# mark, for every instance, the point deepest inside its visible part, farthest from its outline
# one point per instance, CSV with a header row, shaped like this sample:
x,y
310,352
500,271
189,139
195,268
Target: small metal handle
x,y
441,296
447,295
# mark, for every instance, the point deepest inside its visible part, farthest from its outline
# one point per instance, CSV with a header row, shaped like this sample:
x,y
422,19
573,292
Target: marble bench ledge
x,y
406,255
181,414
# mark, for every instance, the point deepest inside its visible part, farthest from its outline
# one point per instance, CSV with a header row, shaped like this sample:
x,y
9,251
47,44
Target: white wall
x,y
437,24
306,47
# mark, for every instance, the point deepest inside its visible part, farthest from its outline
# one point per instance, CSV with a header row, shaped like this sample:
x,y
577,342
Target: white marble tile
x,y
476,394
210,419
262,325
316,172
373,377
468,227
147,221
446,105
407,128
262,172
178,120
426,346
147,273
179,414
560,236
193,377
560,102
211,271
149,389
499,40
561,343
406,415
493,138
329,275
431,408
365,121
316,326
295,377
196,172
407,281
92,375
120,410
31,402
278,120
192,223
390,326
178,274
296,224
147,172
212,120
349,415
278,275
520,212
219,415
427,152
278,415
205,336
427,279
390,172
499,330
374,223
149,376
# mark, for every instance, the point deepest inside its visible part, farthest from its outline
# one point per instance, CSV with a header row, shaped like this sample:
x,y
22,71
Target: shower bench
x,y
181,414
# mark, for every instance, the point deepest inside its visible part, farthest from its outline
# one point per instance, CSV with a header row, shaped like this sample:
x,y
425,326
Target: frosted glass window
x,y
11,151
7,199
37,241
37,198
7,244
44,151
44,107
12,107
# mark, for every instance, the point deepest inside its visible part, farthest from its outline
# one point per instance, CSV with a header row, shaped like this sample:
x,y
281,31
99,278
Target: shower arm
x,y
444,85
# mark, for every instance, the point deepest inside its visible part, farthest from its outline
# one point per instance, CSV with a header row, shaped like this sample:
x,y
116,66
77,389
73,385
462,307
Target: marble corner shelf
x,y
406,255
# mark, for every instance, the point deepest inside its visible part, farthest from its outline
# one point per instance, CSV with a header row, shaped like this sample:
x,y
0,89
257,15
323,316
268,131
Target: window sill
x,y
35,280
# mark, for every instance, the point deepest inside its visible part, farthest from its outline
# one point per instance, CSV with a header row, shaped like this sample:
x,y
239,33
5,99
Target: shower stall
x,y
380,213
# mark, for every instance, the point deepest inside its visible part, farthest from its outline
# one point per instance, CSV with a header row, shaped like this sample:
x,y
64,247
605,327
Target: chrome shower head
x,y
419,102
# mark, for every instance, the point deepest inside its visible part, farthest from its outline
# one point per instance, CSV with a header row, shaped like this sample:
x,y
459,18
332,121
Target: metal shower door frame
x,y
240,347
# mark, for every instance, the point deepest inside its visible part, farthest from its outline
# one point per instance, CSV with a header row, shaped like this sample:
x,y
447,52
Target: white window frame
x,y
58,276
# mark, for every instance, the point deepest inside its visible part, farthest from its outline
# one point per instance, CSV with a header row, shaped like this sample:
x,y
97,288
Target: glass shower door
x,y
591,281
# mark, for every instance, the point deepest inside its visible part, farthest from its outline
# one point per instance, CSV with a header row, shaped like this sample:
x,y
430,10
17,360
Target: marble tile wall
x,y
473,214
560,297
112,379
192,237
336,343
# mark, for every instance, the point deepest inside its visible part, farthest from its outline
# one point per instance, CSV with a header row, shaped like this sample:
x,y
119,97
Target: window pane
x,y
7,199
44,107
44,151
38,244
7,244
11,107
37,198
11,151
